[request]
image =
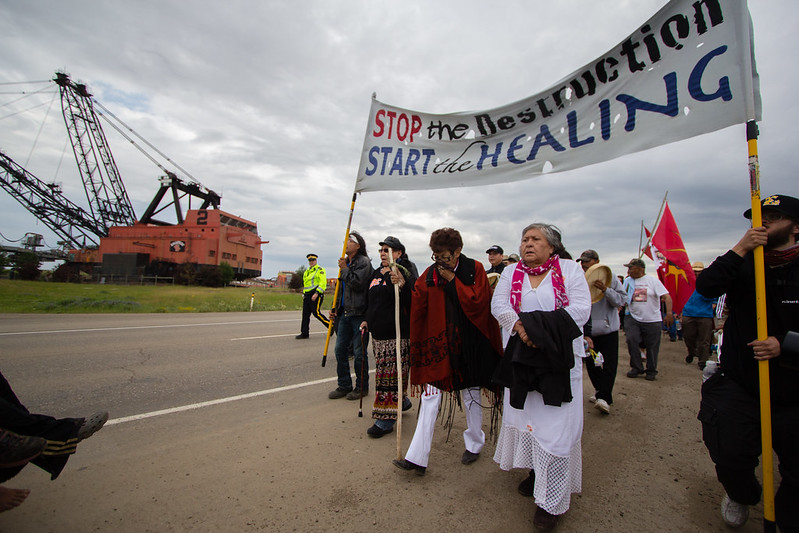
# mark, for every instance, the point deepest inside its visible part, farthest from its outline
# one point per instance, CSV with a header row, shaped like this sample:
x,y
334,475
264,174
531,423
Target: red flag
x,y
674,270
647,249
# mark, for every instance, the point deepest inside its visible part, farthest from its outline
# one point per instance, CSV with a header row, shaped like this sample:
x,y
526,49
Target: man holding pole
x,y
356,273
730,411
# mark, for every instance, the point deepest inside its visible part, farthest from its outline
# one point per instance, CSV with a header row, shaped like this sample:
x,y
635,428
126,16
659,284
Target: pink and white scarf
x,y
553,264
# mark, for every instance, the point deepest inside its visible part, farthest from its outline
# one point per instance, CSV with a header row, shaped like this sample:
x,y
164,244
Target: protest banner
x,y
688,70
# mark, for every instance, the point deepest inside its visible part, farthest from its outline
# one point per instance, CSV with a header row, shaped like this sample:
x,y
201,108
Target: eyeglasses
x,y
441,258
384,250
773,217
311,260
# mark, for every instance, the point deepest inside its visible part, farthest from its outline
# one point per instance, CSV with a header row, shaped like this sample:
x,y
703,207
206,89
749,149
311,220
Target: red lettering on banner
x,y
402,127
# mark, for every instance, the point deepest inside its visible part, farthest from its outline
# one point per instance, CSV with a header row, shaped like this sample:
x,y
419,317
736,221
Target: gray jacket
x,y
356,278
605,313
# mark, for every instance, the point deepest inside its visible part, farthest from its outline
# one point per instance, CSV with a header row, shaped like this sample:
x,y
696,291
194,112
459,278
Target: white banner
x,y
688,70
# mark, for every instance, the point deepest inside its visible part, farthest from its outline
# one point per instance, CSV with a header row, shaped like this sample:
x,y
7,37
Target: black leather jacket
x,y
355,277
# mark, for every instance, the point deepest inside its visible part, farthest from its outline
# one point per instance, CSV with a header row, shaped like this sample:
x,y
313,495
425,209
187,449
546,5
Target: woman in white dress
x,y
542,436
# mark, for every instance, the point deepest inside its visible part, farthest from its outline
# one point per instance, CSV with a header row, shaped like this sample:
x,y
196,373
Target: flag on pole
x,y
647,249
673,265
686,71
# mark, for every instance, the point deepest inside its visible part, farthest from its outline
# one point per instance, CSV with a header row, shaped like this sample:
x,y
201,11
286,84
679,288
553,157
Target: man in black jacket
x,y
356,273
729,410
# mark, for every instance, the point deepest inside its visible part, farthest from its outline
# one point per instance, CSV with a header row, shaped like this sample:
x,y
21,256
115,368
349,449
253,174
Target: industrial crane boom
x,y
44,200
105,191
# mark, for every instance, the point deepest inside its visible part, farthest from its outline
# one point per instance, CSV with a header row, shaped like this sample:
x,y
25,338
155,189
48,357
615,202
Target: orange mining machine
x,y
109,240
205,237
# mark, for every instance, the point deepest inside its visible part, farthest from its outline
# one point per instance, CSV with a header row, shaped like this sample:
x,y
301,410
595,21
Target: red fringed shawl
x,y
433,333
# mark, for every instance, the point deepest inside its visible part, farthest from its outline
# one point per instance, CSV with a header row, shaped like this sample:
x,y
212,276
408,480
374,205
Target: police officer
x,y
314,281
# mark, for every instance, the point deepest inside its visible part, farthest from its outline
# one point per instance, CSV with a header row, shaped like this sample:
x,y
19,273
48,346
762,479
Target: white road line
x,y
215,402
209,403
276,336
155,326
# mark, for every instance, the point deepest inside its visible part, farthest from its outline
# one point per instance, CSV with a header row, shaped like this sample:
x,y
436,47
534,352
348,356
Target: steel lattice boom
x,y
67,220
105,191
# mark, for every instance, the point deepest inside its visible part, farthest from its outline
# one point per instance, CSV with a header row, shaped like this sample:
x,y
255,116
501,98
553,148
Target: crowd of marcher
x,y
516,345
514,338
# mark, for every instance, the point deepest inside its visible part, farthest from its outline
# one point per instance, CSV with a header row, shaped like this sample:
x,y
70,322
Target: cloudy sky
x,y
267,104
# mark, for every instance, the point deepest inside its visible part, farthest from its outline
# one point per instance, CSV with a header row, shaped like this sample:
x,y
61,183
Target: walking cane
x,y
363,356
769,523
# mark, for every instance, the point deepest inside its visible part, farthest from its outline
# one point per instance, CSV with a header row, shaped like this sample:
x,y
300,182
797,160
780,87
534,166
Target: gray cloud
x,y
266,103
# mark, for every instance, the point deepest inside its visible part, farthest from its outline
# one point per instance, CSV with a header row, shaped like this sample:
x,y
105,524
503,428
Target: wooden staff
x,y
400,398
769,524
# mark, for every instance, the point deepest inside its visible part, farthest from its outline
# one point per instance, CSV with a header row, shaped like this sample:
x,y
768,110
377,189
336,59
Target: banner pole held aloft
x,y
769,524
338,277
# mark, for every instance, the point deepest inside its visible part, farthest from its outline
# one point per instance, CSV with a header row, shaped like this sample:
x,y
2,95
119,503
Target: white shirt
x,y
645,306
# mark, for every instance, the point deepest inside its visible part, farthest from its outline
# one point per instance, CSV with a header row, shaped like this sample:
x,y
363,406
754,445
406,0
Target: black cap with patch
x,y
787,205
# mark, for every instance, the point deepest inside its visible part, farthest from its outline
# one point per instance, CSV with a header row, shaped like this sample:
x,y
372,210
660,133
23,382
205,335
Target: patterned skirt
x,y
385,356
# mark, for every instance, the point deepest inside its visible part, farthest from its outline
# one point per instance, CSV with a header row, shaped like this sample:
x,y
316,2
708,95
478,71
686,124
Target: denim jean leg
x,y
361,359
344,338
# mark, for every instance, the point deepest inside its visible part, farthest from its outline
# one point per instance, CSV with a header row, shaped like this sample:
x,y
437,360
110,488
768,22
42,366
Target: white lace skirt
x,y
546,439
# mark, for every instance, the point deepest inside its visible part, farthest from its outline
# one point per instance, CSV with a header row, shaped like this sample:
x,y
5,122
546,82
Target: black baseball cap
x,y
495,248
393,243
588,255
635,262
787,205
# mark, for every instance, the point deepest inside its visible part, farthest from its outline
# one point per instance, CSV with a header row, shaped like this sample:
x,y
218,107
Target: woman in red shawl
x,y
455,345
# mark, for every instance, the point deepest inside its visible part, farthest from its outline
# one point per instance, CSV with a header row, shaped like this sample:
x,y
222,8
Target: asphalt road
x,y
221,422
128,364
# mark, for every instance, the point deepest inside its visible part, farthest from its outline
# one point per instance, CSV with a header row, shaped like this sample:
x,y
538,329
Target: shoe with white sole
x,y
602,405
592,398
733,513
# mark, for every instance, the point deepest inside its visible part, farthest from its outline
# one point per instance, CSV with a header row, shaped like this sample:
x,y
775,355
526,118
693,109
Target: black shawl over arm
x,y
544,368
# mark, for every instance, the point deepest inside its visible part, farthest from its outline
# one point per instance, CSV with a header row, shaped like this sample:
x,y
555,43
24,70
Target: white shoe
x,y
602,405
592,398
733,513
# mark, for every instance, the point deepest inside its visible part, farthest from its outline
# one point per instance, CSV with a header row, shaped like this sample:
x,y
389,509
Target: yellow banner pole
x,y
338,277
762,334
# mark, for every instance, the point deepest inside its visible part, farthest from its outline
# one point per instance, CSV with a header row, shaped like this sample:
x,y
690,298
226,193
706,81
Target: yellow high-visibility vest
x,y
314,279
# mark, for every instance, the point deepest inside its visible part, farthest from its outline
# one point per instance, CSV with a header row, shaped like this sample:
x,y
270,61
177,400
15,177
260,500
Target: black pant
x,y
604,378
310,307
731,430
60,433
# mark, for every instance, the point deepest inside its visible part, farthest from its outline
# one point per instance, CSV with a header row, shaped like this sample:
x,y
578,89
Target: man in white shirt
x,y
643,323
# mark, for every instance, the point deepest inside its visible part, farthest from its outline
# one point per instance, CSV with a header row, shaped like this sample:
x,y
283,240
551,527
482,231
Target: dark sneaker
x,y
17,450
689,359
407,465
406,403
301,336
633,374
544,521
340,392
469,457
650,377
376,432
356,394
526,486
